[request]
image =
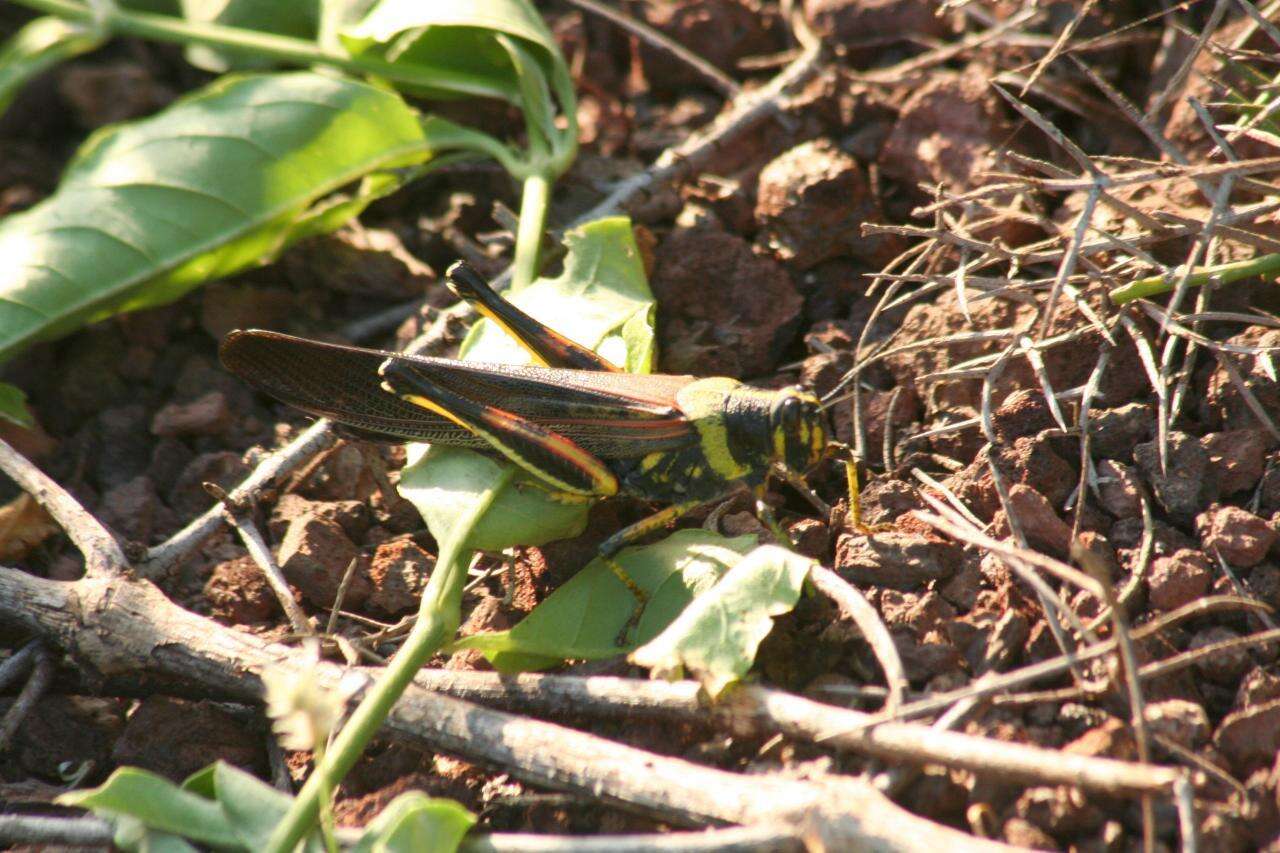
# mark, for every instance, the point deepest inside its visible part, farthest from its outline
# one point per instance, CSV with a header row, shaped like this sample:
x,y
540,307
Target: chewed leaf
x,y
716,637
596,302
221,180
586,617
13,405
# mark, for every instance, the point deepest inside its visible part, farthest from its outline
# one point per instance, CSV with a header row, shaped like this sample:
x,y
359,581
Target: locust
x,y
582,428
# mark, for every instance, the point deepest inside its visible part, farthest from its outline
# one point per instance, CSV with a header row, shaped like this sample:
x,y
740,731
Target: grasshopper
x,y
579,425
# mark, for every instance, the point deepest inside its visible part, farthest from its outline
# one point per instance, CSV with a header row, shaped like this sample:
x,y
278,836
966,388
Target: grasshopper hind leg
x,y
628,535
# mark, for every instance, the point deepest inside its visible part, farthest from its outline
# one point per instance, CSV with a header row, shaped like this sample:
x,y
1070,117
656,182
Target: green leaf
x,y
297,18
252,807
601,301
133,835
37,47
414,822
13,406
158,804
585,618
457,39
716,637
220,181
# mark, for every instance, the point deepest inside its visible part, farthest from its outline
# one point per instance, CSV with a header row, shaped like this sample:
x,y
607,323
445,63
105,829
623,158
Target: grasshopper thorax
x,y
798,429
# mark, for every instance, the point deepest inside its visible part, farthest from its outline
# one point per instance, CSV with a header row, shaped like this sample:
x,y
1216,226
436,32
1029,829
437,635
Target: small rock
x,y
1238,535
1113,433
811,537
123,447
1250,738
963,587
1185,723
1111,739
1118,489
362,261
1128,532
876,20
1258,687
1222,400
1227,665
70,729
885,500
1060,810
949,132
1023,413
811,202
920,613
1188,484
206,415
314,557
736,329
399,572
1269,489
239,593
1237,456
896,560
175,738
353,516
1025,835
720,31
133,510
1178,579
1038,521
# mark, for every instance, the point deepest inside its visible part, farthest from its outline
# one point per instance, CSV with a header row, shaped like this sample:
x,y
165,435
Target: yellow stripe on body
x,y
702,402
604,483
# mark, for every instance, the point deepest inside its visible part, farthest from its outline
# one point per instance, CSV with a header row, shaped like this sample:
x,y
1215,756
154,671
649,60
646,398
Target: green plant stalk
x,y
439,614
1223,273
284,48
534,201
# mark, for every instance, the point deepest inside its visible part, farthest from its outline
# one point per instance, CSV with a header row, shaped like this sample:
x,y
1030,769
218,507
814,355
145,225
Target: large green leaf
x,y
252,807
601,301
222,180
587,616
37,47
716,636
158,804
414,822
457,38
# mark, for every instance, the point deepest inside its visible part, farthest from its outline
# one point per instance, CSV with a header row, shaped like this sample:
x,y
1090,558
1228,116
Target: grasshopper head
x,y
799,429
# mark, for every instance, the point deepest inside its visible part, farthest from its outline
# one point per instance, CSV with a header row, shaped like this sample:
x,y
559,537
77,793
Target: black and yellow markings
x,y
543,453
580,427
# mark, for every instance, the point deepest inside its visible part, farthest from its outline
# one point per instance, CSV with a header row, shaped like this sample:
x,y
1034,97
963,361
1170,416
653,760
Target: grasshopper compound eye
x,y
799,432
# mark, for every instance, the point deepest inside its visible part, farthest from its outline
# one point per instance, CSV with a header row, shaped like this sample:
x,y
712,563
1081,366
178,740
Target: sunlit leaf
x,y
414,822
716,637
587,616
221,180
158,804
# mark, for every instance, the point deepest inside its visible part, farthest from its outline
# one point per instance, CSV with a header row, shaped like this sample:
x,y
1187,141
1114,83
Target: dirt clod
x,y
1188,481
810,204
895,560
175,738
1238,535
1178,579
399,571
314,556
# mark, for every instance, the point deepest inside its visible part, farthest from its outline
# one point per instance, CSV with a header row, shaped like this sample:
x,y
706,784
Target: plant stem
x,y
1222,273
438,617
283,48
534,202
